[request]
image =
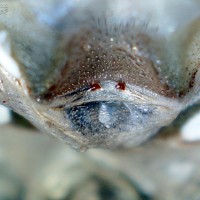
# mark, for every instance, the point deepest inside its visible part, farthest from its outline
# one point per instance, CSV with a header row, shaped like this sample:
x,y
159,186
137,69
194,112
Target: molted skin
x,y
61,51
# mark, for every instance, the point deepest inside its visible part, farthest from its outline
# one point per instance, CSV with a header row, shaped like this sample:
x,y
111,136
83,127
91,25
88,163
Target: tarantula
x,y
99,73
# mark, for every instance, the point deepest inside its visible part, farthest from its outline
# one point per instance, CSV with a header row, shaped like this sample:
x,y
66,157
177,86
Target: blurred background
x,y
36,166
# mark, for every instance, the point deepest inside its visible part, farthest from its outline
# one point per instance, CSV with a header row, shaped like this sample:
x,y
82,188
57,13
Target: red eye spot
x,y
121,86
95,86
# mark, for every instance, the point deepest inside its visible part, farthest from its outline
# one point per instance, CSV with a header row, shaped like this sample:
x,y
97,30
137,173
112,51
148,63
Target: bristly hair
x,y
110,27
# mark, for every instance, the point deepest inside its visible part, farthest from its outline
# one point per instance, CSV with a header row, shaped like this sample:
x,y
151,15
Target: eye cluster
x,y
120,86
